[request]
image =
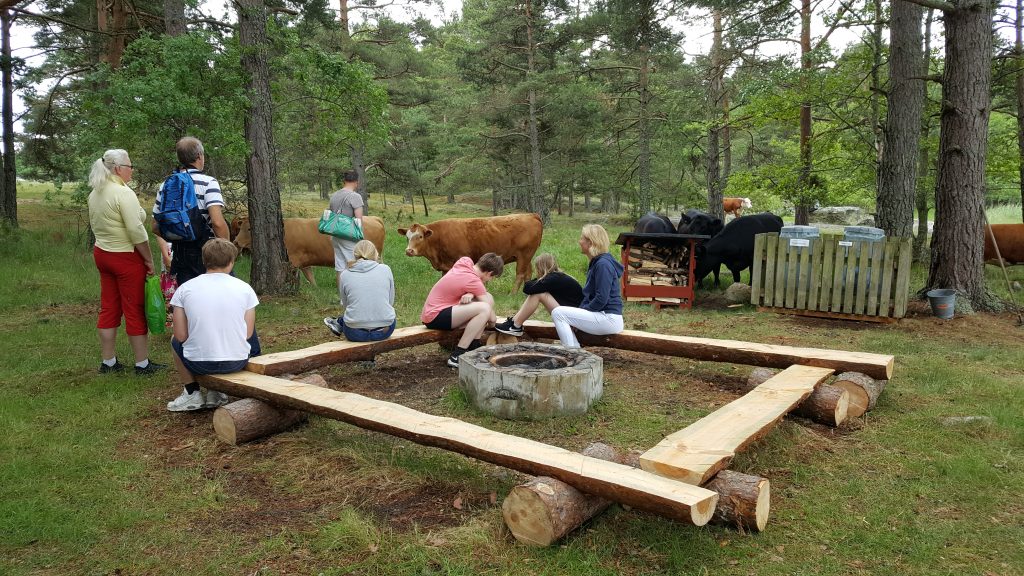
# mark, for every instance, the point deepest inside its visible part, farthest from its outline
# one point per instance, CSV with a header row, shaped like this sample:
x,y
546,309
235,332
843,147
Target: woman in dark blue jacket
x,y
601,310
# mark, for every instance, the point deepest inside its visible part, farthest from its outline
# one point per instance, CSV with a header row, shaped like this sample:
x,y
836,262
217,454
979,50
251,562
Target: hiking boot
x,y
509,327
117,368
332,323
186,402
150,369
214,399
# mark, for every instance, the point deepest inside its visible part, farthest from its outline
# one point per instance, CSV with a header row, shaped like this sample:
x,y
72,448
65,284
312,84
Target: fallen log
x,y
864,391
734,351
828,404
617,482
249,419
544,510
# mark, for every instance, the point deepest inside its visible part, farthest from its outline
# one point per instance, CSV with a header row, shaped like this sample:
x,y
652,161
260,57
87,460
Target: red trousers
x,y
122,281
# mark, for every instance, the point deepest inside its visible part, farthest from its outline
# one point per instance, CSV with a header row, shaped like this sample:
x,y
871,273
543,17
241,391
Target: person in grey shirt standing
x,y
368,296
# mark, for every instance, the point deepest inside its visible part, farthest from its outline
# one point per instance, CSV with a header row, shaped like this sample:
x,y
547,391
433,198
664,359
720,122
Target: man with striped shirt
x,y
187,260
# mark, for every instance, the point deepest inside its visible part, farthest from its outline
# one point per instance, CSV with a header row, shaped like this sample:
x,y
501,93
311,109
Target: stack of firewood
x,y
651,264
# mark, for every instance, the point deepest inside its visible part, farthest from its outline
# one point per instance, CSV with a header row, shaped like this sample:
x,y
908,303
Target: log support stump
x,y
828,404
543,510
250,419
864,391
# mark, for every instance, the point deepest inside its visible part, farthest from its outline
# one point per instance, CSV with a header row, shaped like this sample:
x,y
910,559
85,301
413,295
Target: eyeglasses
x,y
128,166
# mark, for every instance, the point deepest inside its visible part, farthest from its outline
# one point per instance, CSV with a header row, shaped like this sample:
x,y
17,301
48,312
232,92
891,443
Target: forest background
x,y
543,104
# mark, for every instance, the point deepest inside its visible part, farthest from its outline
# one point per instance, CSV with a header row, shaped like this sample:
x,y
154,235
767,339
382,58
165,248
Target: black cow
x,y
734,246
653,223
699,223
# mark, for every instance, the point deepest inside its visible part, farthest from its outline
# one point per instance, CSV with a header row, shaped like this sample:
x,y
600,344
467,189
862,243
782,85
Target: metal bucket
x,y
942,301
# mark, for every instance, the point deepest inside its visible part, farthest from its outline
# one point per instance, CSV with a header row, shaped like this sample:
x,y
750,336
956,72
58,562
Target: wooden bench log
x,y
697,452
828,404
735,351
250,419
543,510
864,391
617,482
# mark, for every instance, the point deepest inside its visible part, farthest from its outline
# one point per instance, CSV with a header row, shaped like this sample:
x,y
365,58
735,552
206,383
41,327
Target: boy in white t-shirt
x,y
214,326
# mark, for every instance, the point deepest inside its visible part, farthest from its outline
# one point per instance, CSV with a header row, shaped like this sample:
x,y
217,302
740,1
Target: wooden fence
x,y
832,277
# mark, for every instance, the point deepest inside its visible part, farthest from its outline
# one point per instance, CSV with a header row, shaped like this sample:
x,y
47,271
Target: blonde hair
x,y
102,168
219,253
364,250
545,264
598,238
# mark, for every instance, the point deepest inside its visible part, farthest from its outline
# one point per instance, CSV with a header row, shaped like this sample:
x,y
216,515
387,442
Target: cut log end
x,y
528,516
224,426
864,391
744,500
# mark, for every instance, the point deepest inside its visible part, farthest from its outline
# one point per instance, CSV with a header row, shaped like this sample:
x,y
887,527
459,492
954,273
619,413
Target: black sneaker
x,y
453,360
150,369
334,326
509,327
117,368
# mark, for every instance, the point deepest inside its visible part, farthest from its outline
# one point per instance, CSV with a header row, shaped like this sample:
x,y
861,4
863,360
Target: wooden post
x,y
744,500
249,419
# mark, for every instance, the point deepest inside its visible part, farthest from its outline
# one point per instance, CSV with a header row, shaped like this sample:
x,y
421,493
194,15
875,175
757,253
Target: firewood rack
x,y
667,260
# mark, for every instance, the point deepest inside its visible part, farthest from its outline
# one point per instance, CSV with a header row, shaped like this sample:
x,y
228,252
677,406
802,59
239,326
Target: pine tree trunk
x,y
897,171
644,139
726,147
803,211
924,192
960,191
716,70
9,186
358,152
174,17
271,271
536,203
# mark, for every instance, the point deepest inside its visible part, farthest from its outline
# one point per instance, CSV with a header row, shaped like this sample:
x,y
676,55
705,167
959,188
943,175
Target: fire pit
x,y
531,381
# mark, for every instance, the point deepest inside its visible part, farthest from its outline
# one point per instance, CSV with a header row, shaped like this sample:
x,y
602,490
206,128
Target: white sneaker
x,y
214,399
187,402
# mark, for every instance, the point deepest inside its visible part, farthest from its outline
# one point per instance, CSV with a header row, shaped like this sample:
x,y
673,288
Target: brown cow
x,y
1010,238
735,206
515,238
305,244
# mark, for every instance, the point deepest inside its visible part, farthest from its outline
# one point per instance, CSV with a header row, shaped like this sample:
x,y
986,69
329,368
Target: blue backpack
x,y
178,214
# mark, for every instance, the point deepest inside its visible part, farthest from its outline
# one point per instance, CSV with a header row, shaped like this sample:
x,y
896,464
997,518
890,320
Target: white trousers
x,y
596,323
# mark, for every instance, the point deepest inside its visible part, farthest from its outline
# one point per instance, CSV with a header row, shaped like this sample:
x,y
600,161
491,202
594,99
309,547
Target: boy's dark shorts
x,y
443,320
206,367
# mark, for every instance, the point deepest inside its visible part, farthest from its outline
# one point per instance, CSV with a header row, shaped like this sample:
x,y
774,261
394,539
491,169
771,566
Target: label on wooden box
x,y
799,242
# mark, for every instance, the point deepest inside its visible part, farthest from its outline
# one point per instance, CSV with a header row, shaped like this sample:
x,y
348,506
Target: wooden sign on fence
x,y
832,277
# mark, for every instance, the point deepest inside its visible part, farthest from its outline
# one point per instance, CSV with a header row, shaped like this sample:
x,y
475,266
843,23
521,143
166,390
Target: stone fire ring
x,y
530,380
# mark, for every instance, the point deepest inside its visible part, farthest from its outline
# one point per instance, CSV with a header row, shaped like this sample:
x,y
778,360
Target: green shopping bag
x,y
156,310
340,226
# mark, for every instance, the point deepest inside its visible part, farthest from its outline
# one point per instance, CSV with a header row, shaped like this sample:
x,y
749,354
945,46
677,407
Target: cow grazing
x,y
699,223
735,206
515,238
653,223
1010,239
734,246
305,244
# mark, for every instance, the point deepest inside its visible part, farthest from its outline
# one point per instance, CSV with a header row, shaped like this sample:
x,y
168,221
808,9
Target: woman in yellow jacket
x,y
123,259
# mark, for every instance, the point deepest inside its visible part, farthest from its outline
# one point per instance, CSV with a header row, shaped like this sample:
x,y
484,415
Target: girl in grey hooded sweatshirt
x,y
367,294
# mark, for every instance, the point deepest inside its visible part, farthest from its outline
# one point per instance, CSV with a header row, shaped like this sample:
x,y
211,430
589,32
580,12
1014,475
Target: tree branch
x,y
934,4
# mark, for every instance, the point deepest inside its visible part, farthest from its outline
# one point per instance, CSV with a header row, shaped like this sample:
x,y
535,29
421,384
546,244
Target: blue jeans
x,y
205,367
365,335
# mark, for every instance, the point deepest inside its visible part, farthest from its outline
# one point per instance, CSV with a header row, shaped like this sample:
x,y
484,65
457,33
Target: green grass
x,y
97,478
